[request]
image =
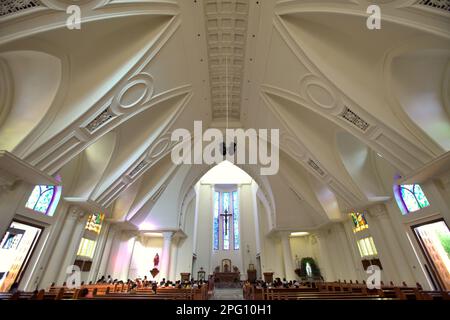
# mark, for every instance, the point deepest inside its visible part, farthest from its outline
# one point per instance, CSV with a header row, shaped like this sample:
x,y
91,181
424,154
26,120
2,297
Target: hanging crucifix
x,y
225,216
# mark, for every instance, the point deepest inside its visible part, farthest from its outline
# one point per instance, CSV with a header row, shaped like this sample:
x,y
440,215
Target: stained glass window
x,y
236,220
86,248
411,198
94,222
216,221
359,221
43,199
226,221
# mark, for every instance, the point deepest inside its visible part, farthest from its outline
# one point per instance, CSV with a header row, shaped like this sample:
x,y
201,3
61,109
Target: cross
x,y
225,215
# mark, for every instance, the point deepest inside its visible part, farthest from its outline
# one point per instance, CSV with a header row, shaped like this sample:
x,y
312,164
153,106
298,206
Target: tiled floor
x,y
227,294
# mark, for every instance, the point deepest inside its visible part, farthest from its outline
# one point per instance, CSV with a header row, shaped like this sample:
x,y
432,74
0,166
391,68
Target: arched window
x,y
44,199
226,221
410,198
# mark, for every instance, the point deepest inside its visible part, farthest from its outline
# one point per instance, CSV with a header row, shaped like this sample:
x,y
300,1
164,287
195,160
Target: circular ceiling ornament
x,y
318,93
137,91
292,146
160,147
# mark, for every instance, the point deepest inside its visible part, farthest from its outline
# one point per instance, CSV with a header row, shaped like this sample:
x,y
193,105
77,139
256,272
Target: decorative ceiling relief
x,y
355,119
436,4
292,146
134,95
132,174
226,27
137,91
160,148
8,7
318,93
313,164
100,120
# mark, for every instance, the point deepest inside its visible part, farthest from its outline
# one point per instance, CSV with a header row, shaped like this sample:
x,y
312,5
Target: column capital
x,y
131,233
445,180
322,233
76,212
378,210
168,235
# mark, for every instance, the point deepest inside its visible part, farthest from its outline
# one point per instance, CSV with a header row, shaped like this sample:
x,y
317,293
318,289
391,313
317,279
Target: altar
x,y
227,276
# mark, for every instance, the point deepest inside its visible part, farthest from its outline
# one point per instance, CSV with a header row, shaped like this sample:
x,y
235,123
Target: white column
x,y
346,254
173,263
165,259
80,219
325,266
287,256
354,251
106,254
392,256
99,249
56,258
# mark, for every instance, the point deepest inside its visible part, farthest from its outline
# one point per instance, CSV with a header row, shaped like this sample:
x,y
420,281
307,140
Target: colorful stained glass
x,y
94,222
236,220
359,221
216,221
412,198
41,199
226,221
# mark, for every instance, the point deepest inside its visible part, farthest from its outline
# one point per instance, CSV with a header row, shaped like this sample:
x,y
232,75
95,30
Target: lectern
x,y
251,275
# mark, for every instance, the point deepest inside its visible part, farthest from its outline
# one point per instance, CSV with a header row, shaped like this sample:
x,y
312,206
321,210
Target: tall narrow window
x,y
86,248
236,220
226,217
367,247
226,221
216,221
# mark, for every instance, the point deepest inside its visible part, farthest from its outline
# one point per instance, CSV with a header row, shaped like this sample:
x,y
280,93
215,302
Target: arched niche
x,y
30,81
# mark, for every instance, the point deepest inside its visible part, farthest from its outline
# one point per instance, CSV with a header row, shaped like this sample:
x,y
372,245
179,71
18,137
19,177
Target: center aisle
x,y
227,294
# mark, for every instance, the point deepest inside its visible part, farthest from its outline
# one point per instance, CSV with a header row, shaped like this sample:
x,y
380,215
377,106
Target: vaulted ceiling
x,y
355,107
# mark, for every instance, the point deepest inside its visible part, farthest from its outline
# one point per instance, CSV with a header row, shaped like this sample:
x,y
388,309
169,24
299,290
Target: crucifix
x,y
225,216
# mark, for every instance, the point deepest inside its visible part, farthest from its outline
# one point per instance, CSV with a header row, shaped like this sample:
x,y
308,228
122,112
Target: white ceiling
x,y
354,107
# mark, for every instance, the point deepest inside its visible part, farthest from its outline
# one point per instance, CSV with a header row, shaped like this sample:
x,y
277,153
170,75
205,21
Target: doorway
x,y
16,249
434,239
